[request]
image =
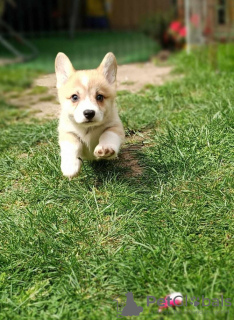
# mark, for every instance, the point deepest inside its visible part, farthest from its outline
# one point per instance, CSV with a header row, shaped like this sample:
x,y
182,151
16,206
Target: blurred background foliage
x,y
86,29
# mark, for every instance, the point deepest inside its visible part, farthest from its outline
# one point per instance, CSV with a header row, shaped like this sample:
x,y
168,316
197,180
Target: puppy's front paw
x,y
105,152
70,168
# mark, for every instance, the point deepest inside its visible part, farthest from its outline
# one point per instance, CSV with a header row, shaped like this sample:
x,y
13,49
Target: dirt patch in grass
x,y
129,160
42,101
128,157
131,77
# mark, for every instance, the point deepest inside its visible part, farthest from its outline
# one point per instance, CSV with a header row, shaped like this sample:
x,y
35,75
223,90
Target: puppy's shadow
x,y
105,171
133,167
126,168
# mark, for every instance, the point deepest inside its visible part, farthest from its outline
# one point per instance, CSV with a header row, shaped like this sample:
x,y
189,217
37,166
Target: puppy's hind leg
x,y
70,147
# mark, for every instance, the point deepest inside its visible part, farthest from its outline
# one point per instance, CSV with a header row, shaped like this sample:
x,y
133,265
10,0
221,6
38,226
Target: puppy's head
x,y
86,96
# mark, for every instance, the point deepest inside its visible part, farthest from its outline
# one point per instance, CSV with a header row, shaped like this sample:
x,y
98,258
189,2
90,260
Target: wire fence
x,y
134,29
92,26
46,17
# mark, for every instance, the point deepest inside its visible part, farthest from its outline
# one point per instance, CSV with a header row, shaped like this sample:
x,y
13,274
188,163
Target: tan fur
x,y
68,136
118,130
80,137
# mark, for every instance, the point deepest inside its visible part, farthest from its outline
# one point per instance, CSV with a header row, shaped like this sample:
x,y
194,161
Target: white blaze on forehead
x,y
85,81
87,104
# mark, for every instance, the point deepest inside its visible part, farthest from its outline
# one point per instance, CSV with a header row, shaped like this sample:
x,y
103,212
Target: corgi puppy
x,y
89,125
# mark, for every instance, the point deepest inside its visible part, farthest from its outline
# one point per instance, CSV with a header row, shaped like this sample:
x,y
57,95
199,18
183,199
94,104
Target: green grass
x,y
87,49
16,80
68,248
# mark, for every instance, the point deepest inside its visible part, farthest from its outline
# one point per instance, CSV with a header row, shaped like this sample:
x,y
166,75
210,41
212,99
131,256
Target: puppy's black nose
x,y
89,114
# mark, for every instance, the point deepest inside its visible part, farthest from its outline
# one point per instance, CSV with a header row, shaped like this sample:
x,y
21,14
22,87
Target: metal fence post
x,y
187,23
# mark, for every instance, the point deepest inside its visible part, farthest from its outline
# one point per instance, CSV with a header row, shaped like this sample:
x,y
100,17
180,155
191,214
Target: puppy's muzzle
x,y
89,114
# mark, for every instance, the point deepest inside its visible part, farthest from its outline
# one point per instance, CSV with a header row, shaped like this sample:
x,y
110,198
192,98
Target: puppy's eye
x,y
99,97
74,98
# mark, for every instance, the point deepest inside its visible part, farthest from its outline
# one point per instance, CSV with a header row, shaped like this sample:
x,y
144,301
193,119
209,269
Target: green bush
x,y
156,25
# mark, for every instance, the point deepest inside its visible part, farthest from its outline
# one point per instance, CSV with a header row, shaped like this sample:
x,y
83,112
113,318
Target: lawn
x,y
68,248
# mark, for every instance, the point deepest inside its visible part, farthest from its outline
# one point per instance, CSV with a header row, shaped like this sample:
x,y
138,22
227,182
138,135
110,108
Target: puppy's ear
x,y
109,67
63,69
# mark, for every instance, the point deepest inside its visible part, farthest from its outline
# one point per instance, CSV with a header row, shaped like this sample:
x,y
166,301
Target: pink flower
x,y
182,32
175,26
